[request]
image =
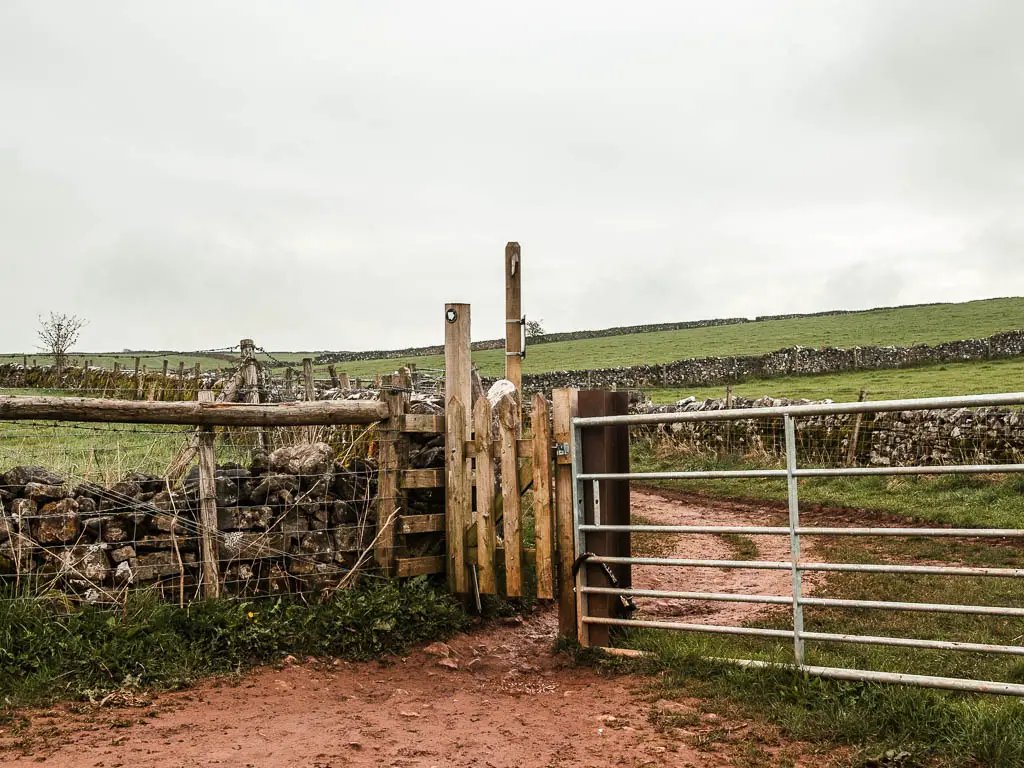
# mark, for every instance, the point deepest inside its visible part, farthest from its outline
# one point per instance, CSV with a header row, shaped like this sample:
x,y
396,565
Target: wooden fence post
x,y
163,383
307,379
251,379
564,407
605,449
543,523
138,381
335,381
208,505
851,449
343,380
458,399
486,539
508,429
288,387
393,456
197,374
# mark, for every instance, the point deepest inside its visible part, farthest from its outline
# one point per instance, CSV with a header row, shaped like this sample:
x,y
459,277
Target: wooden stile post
x,y
343,380
486,538
208,505
508,429
288,387
513,320
543,520
393,456
458,399
180,389
197,374
163,383
335,381
564,407
138,381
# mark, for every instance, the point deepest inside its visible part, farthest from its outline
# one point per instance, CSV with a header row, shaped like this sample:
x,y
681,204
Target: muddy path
x,y
654,506
497,697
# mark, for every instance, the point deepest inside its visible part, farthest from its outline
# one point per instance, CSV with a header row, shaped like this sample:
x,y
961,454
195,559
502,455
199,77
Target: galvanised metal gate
x,y
796,565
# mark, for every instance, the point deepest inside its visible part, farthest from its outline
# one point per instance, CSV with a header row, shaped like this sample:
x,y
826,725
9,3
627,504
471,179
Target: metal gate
x,y
588,505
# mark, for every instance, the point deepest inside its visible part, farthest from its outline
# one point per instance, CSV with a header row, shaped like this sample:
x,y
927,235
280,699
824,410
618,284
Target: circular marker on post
x,y
451,315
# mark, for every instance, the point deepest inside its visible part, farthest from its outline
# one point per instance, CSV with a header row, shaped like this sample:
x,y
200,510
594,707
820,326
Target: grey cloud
x,y
188,173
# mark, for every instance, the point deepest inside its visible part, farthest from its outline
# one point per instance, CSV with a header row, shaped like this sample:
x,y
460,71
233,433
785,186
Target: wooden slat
x,y
542,517
406,567
508,427
529,555
421,523
423,422
421,478
563,409
486,537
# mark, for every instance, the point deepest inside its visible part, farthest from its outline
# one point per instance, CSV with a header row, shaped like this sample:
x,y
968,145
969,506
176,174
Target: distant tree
x,y
535,328
59,332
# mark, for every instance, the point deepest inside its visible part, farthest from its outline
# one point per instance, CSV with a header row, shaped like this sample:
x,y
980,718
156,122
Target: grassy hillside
x,y
912,325
915,325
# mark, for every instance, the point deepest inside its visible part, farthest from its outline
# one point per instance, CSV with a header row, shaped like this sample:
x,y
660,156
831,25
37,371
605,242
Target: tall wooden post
x,y
458,407
288,388
605,449
564,407
197,374
208,506
513,319
343,380
333,372
138,381
163,383
180,389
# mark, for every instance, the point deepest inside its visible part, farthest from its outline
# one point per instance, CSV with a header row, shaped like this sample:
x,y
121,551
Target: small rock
x,y
449,663
289,660
441,650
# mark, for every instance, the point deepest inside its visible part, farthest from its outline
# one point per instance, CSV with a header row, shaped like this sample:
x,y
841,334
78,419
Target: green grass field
x,y
914,325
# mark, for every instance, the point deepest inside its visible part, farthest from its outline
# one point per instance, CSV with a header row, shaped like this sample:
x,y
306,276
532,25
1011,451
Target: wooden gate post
x,y
605,449
513,314
563,403
458,429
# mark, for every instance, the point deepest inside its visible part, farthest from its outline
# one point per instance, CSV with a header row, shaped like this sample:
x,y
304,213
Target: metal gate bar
x,y
794,530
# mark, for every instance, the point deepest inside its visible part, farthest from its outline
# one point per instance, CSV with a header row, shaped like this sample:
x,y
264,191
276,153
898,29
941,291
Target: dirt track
x,y
501,699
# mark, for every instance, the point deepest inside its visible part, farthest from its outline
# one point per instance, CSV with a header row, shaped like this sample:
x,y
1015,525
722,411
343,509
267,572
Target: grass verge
x,y
48,655
920,727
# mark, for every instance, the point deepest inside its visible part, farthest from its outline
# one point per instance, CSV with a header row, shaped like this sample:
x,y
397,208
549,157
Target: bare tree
x,y
534,328
59,332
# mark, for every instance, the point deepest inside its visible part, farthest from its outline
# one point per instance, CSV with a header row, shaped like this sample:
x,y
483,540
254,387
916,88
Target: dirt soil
x,y
497,697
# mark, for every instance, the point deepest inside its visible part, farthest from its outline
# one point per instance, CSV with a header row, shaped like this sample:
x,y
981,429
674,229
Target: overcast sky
x,y
325,175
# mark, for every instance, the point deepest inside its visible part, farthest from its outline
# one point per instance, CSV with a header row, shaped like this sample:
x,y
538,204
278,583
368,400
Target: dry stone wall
x,y
710,371
292,522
